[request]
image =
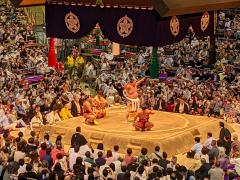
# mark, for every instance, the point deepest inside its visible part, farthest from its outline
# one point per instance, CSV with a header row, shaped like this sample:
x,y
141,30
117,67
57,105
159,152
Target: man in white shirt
x,y
172,164
195,42
203,54
208,142
115,153
228,23
141,59
196,150
4,122
125,74
19,154
53,116
180,70
169,62
157,154
73,155
111,92
104,66
83,149
22,166
89,68
37,120
187,94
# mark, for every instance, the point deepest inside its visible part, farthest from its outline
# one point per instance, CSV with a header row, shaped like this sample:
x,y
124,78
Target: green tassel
x,y
99,2
154,68
97,40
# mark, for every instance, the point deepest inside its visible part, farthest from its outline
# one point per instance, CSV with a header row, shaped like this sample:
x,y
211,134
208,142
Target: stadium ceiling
x,y
163,7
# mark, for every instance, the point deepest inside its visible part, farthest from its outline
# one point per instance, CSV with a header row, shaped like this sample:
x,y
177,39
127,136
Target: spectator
x,y
115,153
109,157
235,146
143,156
78,139
29,173
173,164
216,173
53,116
22,166
129,158
43,150
100,161
100,148
223,160
73,155
208,143
224,132
196,149
214,152
65,113
57,150
88,159
164,162
202,172
157,154
48,157
48,141
19,154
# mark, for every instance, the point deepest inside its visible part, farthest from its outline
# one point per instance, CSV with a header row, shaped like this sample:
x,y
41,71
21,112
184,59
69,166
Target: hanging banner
x,y
125,26
69,22
129,26
173,29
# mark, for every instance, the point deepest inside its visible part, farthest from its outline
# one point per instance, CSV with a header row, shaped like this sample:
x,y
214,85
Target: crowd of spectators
x,y
218,158
228,33
187,83
228,23
35,159
42,159
33,95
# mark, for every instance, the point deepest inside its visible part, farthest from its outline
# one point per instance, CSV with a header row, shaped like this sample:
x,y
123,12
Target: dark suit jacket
x,y
163,104
185,108
202,172
74,110
163,163
78,140
224,132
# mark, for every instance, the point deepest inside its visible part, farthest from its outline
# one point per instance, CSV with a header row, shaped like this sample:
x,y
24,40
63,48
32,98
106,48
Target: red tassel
x,y
52,57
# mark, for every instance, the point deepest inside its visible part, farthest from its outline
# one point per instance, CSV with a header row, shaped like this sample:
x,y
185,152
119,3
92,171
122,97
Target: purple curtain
x,y
149,29
55,20
144,26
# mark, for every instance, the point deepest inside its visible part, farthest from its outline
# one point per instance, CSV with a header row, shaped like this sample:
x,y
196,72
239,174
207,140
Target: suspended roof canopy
x,y
163,7
22,3
179,7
